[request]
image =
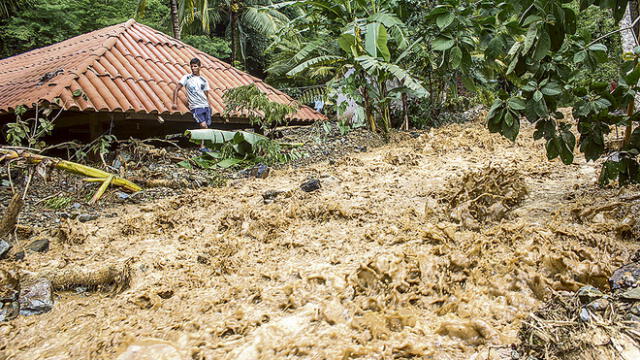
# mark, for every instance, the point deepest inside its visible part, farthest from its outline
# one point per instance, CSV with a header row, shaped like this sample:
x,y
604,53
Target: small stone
x,y
19,256
598,305
64,215
585,315
271,194
41,245
310,185
122,195
35,297
87,217
76,205
4,248
625,277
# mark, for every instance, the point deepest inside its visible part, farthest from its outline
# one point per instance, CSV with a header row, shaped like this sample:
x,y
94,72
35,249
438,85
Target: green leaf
x,y
530,39
347,43
445,20
543,47
456,57
442,44
227,163
580,56
552,89
517,104
537,96
598,47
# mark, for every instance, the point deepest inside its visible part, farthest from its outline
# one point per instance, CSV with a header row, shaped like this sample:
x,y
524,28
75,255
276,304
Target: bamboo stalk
x,y
94,179
101,190
71,167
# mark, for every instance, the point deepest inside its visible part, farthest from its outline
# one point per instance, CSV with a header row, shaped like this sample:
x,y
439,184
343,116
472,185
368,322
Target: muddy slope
x,y
403,253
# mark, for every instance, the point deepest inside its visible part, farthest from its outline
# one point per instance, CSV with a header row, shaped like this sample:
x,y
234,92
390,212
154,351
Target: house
x,y
121,79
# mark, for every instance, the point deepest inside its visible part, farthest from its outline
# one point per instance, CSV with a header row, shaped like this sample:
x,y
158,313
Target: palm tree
x,y
365,40
239,18
175,16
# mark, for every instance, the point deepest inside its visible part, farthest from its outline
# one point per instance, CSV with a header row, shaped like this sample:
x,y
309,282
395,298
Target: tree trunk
x,y
175,20
371,121
405,112
629,42
235,35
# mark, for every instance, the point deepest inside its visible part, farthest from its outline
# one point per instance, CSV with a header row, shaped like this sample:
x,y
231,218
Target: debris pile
x,y
483,195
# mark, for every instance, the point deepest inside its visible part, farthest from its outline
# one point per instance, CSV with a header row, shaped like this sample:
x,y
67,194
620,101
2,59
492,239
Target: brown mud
x,y
402,254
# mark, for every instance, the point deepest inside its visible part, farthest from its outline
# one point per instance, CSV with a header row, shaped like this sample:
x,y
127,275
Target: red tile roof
x,y
127,67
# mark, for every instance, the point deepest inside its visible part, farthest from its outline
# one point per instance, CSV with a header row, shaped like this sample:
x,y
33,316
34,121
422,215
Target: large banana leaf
x,y
242,142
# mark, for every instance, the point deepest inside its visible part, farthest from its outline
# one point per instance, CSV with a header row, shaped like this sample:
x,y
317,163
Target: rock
x,y
64,215
40,245
259,171
598,305
625,277
4,248
87,217
76,205
122,195
9,311
271,195
19,256
35,297
310,185
588,293
585,315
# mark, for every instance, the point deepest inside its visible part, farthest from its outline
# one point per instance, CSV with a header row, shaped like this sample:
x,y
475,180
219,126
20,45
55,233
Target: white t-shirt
x,y
196,86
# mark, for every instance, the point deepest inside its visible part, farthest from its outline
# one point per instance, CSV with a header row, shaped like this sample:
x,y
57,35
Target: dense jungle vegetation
x,y
404,62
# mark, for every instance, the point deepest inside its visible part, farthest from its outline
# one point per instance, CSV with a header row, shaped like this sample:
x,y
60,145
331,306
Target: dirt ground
x,y
436,247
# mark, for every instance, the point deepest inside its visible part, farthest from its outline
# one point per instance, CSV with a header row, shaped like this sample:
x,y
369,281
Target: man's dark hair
x,y
195,61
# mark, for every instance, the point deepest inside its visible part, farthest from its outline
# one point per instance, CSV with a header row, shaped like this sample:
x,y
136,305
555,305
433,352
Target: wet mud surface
x,y
401,254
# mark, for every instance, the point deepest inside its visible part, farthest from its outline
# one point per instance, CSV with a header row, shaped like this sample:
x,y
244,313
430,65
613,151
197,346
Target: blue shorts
x,y
202,115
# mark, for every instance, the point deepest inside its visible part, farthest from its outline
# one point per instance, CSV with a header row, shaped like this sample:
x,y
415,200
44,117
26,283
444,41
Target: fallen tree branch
x,y
101,190
70,167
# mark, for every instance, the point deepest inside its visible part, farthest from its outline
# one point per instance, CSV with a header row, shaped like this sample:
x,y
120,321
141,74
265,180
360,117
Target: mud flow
x,y
435,247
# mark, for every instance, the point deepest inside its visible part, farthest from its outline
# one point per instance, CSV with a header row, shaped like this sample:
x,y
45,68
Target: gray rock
x,y
87,217
625,277
76,205
271,195
310,185
585,315
9,311
598,305
40,245
19,255
35,297
4,248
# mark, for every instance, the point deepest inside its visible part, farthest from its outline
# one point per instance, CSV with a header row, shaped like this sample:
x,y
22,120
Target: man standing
x,y
197,96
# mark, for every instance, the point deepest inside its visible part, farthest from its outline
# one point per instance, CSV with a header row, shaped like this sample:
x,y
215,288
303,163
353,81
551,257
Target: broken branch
x,y
70,167
101,190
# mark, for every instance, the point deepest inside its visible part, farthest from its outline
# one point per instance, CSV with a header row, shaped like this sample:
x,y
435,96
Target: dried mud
x,y
437,247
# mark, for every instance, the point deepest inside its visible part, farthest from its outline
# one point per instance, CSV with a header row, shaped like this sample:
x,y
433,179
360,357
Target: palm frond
x,y
319,60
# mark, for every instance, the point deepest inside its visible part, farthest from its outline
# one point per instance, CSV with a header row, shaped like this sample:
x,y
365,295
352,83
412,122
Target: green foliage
x,y
214,46
30,131
250,101
58,202
38,23
543,63
238,148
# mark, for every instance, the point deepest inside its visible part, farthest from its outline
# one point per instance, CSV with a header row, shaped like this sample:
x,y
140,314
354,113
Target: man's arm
x,y
174,106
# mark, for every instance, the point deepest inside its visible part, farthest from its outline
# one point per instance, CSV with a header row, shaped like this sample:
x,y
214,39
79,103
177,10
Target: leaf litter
x,y
374,265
